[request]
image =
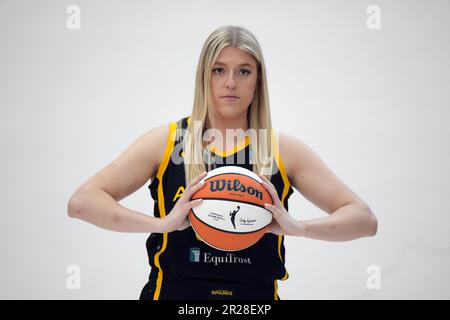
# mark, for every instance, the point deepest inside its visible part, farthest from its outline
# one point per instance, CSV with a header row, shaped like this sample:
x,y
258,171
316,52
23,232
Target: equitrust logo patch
x,y
195,255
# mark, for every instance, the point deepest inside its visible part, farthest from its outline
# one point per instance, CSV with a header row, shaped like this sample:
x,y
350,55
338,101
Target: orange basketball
x,y
232,215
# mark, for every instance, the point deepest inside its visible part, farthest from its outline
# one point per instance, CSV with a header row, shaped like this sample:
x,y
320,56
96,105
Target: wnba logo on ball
x,y
233,185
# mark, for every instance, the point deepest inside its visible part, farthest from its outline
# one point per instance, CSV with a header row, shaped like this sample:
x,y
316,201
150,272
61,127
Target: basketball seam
x,y
231,200
236,173
246,232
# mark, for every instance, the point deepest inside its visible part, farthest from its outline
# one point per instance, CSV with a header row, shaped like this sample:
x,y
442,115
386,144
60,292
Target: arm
x,y
97,200
349,216
96,206
347,223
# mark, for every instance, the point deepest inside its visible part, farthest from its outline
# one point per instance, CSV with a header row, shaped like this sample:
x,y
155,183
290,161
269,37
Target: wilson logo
x,y
234,185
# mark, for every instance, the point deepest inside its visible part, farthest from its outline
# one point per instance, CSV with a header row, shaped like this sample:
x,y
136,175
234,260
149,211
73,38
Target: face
x,y
233,82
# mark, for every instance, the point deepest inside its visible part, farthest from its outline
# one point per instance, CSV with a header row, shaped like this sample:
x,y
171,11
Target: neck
x,y
222,125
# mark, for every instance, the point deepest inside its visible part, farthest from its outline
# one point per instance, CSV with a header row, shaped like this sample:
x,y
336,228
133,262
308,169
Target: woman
x,y
230,94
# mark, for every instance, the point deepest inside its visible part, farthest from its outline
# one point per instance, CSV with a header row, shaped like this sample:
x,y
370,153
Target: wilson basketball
x,y
231,216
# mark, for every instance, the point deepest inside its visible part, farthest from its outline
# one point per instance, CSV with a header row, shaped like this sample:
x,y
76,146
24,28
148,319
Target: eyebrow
x,y
240,65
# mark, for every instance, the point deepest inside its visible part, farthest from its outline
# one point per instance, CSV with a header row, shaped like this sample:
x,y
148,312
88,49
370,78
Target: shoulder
x,y
134,166
310,175
157,135
300,160
293,152
154,142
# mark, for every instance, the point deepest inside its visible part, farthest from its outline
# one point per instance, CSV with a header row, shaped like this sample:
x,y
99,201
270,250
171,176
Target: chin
x,y
229,112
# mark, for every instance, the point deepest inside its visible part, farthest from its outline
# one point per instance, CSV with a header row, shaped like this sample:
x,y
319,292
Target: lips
x,y
236,97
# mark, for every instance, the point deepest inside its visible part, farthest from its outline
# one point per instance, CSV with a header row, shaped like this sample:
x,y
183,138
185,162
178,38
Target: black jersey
x,y
181,258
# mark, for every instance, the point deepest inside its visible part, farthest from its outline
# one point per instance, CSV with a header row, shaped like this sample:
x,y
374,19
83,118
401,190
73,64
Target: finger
x,y
184,225
272,191
189,193
275,211
193,203
267,181
196,180
273,228
263,177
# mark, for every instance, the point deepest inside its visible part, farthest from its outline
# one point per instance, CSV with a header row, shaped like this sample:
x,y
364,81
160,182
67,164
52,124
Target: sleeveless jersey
x,y
183,255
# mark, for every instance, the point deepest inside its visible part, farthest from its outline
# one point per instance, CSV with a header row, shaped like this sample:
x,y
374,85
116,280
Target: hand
x,y
282,222
177,218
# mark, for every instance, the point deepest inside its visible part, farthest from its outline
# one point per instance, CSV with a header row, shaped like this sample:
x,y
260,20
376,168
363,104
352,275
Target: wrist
x,y
165,224
160,225
300,228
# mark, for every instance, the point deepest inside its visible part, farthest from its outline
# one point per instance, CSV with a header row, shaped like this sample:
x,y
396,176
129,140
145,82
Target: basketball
x,y
232,215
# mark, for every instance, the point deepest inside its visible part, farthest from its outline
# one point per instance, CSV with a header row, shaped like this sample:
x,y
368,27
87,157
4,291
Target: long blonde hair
x,y
258,114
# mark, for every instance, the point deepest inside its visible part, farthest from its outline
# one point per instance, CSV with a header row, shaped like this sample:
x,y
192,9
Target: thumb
x,y
275,211
184,225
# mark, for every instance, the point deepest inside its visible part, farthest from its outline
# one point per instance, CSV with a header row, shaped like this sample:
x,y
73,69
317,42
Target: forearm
x,y
347,223
98,207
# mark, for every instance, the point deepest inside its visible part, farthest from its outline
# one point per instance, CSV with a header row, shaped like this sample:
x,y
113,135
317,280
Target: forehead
x,y
235,56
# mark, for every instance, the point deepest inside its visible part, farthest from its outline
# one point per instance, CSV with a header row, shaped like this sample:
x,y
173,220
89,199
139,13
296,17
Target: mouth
x,y
230,97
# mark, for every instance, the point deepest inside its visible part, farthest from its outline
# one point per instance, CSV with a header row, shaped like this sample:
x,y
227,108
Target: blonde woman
x,y
231,96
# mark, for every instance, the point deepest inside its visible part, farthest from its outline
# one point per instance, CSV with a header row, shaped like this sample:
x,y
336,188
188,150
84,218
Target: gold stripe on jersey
x,y
286,187
161,204
231,151
276,290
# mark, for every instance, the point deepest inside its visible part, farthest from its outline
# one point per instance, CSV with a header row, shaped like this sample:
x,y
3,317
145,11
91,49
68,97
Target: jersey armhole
x,y
287,190
167,153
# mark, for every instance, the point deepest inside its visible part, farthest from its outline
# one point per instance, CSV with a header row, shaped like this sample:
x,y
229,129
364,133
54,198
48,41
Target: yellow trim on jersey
x,y
276,290
231,151
182,154
282,169
287,185
162,210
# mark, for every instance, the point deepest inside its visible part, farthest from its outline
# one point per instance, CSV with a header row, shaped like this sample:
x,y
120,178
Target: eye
x,y
245,72
215,69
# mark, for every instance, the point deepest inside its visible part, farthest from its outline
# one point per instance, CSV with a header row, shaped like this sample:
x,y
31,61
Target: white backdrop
x,y
373,103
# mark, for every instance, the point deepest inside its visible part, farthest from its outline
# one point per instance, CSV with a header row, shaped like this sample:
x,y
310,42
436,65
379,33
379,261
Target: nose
x,y
231,83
